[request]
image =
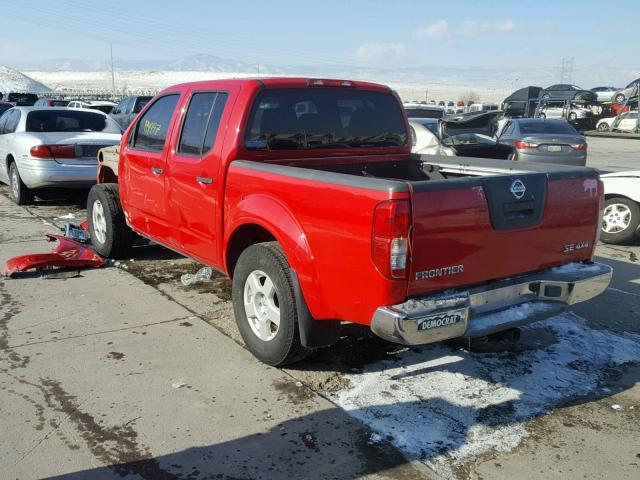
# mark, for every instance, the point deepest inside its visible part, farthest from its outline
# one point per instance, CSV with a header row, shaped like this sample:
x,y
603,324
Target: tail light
x,y
522,144
317,82
579,146
53,151
390,238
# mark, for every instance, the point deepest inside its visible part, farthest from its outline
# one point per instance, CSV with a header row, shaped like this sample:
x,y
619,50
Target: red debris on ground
x,y
67,254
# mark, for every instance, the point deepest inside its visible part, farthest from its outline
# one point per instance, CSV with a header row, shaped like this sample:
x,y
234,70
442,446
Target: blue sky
x,y
375,33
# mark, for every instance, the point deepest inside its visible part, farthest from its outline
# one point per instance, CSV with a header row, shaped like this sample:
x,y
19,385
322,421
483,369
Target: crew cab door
x,y
193,181
143,174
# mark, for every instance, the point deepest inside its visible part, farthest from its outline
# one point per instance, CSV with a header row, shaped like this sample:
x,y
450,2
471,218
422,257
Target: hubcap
x,y
261,305
616,218
15,183
99,222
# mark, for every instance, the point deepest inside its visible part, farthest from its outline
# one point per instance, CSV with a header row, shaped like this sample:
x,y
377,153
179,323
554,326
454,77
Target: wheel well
x,y
244,237
8,162
607,196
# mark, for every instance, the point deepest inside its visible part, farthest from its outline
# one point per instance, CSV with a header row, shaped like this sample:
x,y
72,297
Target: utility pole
x,y
113,77
566,70
426,94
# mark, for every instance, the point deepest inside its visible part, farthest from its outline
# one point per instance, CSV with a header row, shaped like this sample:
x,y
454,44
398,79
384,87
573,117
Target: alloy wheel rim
x,y
616,218
99,222
261,305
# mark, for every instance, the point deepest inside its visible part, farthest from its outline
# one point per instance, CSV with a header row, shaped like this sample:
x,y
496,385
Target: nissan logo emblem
x,y
518,189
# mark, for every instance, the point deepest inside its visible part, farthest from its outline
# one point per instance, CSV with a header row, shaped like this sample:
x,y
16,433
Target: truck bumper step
x,y
491,308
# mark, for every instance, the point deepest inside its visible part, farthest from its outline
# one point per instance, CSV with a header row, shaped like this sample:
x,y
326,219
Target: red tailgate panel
x,y
453,228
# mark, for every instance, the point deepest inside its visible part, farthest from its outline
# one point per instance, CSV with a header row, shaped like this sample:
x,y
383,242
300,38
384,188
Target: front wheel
x,y
620,220
603,127
20,194
265,307
542,115
619,98
110,235
573,117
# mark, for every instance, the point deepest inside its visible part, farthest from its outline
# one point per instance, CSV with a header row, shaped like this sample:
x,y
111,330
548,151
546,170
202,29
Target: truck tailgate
x,y
472,230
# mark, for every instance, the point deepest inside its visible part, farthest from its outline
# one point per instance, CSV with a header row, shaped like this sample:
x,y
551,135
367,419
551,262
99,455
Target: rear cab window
x,y
317,118
151,129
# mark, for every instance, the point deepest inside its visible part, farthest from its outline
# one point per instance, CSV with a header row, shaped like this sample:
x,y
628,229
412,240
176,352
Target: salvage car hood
x,y
483,123
629,174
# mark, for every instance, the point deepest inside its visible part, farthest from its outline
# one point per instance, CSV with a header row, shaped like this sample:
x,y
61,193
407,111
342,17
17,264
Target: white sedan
x,y
625,122
52,147
621,219
424,138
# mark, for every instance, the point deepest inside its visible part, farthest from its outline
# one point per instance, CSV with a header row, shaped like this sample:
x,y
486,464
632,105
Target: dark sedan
x,y
565,91
543,140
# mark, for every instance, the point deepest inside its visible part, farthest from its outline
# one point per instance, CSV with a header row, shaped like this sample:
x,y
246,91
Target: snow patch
x,y
445,407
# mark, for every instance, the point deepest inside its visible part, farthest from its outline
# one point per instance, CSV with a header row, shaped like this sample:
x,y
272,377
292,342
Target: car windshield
x,y
315,118
59,103
468,139
532,128
69,121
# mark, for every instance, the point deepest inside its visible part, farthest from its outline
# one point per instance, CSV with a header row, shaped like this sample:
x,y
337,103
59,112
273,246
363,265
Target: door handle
x,y
204,180
156,170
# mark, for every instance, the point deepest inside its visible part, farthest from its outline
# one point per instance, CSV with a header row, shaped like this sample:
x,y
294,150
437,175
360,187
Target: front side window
x,y
151,130
201,122
315,118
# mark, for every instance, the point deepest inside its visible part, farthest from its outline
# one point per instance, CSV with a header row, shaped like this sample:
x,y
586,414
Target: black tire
x,y
572,117
18,191
619,98
628,235
116,238
285,347
546,96
603,127
542,115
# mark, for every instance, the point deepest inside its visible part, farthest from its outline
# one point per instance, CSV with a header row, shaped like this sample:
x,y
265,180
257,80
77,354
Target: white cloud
x,y
376,52
439,29
475,29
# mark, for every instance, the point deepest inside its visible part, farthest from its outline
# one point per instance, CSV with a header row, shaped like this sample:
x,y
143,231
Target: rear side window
x,y
69,121
12,121
315,118
201,122
151,130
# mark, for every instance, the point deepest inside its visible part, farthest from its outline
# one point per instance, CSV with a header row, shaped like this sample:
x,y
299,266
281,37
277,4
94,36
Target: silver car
x,y
561,110
627,92
52,147
546,141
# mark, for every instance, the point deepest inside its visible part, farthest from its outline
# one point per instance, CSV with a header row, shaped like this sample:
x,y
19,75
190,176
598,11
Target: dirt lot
x,y
564,402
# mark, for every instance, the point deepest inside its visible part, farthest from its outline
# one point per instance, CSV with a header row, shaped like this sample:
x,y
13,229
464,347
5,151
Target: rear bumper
x,y
36,173
488,309
569,159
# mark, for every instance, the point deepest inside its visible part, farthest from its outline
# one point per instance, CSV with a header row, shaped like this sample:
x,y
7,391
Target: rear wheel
x,y
110,235
542,115
620,220
572,117
19,191
264,305
619,98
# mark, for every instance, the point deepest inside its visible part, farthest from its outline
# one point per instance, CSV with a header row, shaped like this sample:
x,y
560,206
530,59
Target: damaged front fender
x,y
67,254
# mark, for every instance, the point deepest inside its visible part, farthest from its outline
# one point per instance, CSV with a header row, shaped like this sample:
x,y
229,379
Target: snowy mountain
x,y
13,81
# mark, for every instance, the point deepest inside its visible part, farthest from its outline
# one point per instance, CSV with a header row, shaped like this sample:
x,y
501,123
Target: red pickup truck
x,y
305,193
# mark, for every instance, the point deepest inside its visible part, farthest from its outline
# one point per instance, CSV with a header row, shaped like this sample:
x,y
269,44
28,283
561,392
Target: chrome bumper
x,y
487,309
